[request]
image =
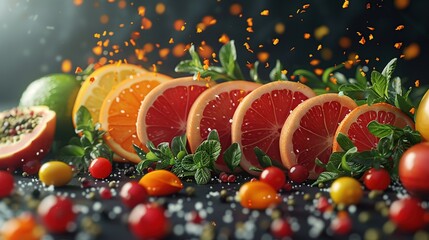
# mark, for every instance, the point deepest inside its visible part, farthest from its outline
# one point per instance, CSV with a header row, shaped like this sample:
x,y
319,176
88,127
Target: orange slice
x,y
260,116
355,124
164,112
118,113
309,130
214,109
99,83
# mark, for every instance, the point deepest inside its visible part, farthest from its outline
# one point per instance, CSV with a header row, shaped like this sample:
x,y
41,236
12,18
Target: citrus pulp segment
x,y
214,109
99,83
118,113
308,132
164,112
260,116
355,124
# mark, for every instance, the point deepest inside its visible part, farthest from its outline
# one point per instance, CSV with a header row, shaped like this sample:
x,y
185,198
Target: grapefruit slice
x,y
214,109
118,113
99,83
164,112
260,116
309,131
355,124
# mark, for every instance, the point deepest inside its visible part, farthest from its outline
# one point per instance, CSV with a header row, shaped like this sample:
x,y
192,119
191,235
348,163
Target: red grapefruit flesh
x,y
29,143
214,109
164,112
259,118
355,124
308,132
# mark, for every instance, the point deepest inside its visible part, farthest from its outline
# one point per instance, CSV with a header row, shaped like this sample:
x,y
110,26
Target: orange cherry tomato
x,y
22,227
161,183
258,195
422,115
346,190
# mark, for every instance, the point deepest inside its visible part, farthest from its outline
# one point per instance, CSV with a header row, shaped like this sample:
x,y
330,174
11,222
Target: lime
x,y
58,92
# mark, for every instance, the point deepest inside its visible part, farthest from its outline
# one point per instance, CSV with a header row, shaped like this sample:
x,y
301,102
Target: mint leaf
x,y
228,60
178,144
380,130
360,79
326,177
379,83
188,163
344,142
232,156
213,135
212,147
202,159
83,120
389,69
202,175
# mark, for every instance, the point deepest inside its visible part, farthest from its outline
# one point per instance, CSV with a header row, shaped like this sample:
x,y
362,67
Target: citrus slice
x,y
214,109
355,124
99,83
258,119
118,113
309,130
164,111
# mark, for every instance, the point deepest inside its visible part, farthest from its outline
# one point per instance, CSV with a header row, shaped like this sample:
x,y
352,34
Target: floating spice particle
x,y
249,22
141,11
371,28
248,47
362,41
306,6
265,12
417,83
66,66
346,4
412,110
275,41
179,24
235,9
160,8
146,23
314,62
249,29
398,45
370,37
399,27
223,38
318,71
307,35
171,41
319,47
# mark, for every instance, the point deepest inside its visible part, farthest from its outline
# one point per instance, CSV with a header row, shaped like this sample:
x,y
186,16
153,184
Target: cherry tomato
x,y
258,195
6,184
341,224
21,227
56,213
55,173
280,228
407,214
273,176
132,193
100,168
298,173
148,221
376,179
346,190
161,183
414,170
422,116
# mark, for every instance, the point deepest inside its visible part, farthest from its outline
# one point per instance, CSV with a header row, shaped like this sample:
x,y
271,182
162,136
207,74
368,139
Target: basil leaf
x,y
326,177
334,163
344,142
178,144
213,135
83,119
389,69
232,156
404,105
379,83
195,58
188,163
255,169
263,159
344,160
360,79
71,150
186,66
202,159
212,147
380,130
140,152
202,175
228,58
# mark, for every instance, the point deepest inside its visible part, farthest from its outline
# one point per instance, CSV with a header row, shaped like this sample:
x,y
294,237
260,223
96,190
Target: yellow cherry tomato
x,y
22,227
422,116
55,173
161,183
346,190
258,195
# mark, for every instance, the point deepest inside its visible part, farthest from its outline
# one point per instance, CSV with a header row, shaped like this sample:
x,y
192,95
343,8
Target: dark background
x,y
36,37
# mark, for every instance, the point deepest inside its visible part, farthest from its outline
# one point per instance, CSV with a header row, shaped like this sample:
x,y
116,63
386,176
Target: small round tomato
x,y
55,173
21,227
346,190
100,168
161,183
422,116
56,213
132,193
258,195
341,224
376,179
298,173
273,176
280,228
7,184
407,214
414,170
148,221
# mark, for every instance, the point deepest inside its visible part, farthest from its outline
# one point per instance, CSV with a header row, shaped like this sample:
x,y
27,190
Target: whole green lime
x,y
58,92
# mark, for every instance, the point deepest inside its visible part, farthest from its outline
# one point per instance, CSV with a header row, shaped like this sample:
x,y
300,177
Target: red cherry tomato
x,y
280,228
377,179
298,173
6,184
100,168
414,170
407,214
148,221
132,193
56,213
341,224
273,176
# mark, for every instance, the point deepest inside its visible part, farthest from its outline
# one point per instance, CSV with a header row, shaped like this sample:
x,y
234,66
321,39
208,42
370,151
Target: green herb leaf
x,y
232,156
380,130
188,163
277,72
139,151
263,159
202,159
344,142
389,69
254,73
212,147
202,175
83,119
326,177
379,83
213,135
